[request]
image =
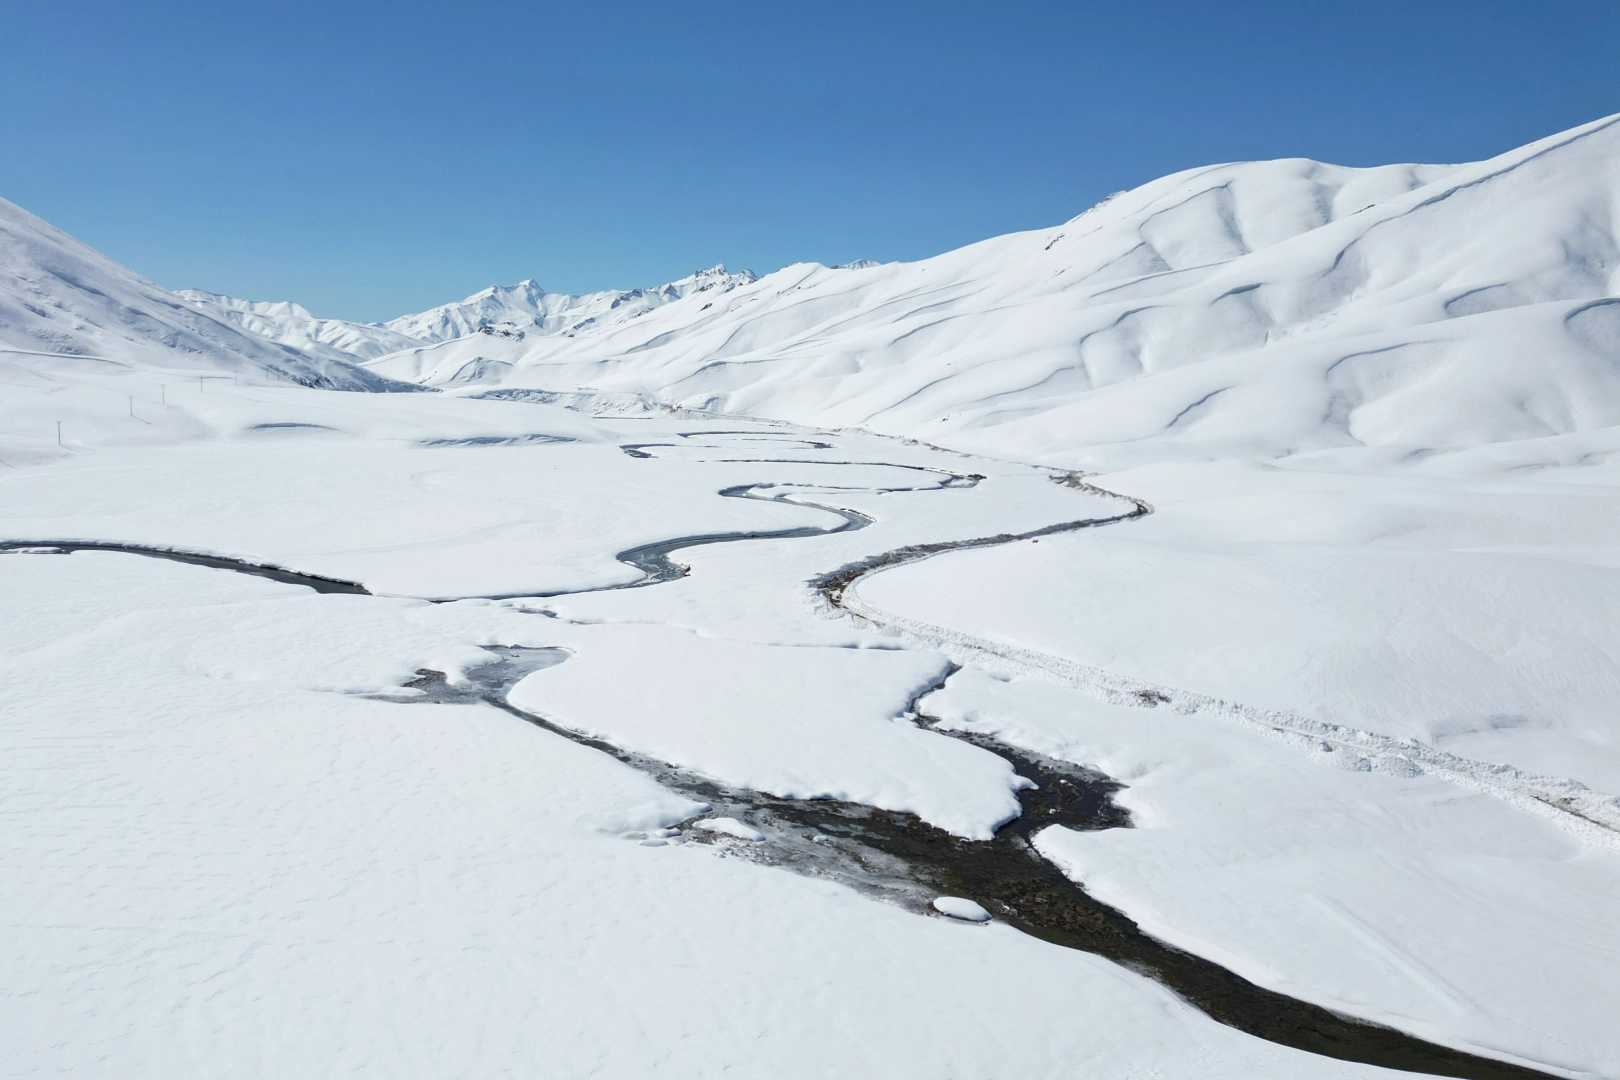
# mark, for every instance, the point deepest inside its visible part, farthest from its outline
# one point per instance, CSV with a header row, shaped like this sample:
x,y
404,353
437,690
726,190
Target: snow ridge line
x,y
1570,805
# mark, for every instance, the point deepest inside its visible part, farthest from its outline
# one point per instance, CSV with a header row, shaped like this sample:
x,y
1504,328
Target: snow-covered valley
x,y
697,638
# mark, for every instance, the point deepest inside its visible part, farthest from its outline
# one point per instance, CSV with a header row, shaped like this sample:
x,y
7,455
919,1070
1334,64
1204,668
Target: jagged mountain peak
x,y
526,307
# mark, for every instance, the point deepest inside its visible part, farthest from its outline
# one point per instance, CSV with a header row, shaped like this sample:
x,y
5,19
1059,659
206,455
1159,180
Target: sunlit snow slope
x,y
1260,308
60,297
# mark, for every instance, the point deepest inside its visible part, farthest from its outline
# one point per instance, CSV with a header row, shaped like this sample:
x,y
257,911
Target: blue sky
x,y
369,159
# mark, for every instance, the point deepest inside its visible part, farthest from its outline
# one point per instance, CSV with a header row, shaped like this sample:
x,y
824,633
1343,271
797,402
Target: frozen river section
x,y
721,685
240,861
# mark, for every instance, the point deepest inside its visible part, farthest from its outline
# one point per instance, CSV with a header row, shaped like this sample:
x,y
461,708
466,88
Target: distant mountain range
x,y
513,312
1260,308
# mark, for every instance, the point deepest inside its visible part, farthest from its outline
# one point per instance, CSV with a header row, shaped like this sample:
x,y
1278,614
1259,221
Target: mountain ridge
x,y
1251,309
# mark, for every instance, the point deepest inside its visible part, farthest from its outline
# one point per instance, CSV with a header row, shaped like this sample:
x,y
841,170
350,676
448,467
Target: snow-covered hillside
x,y
1258,308
60,297
1253,309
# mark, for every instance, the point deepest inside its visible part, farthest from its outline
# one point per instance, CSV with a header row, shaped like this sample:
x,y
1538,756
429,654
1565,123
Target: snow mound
x,y
959,907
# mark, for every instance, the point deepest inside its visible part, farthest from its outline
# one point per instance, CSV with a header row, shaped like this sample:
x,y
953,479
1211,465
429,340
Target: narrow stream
x,y
190,558
896,856
903,860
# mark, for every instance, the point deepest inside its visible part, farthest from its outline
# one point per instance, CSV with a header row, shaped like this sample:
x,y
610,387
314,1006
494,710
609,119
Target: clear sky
x,y
370,159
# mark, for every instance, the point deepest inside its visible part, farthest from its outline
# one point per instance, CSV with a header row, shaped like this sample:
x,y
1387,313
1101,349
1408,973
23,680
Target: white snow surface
x,y
237,859
1476,618
1400,899
547,522
505,313
960,907
234,868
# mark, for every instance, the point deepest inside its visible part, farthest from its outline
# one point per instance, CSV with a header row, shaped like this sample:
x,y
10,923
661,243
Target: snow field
x,y
1461,605
1473,616
1403,900
228,862
413,520
728,672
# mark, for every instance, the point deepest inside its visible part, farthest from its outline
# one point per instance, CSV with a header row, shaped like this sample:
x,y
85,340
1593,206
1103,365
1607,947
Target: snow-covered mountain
x,y
1254,309
526,308
509,312
1261,308
60,297
287,323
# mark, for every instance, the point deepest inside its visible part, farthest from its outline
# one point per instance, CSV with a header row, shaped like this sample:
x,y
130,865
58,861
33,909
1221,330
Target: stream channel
x,y
895,856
